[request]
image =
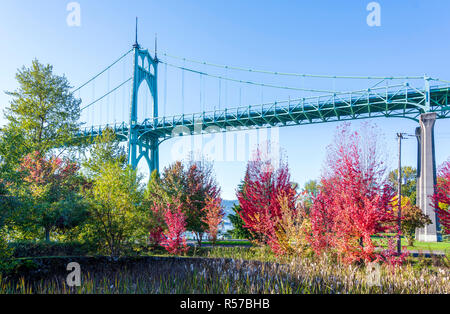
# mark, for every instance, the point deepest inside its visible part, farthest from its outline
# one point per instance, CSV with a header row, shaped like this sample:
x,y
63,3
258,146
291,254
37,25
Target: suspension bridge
x,y
420,98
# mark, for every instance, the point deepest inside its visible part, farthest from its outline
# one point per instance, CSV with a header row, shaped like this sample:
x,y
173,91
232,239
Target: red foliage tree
x,y
157,225
441,197
353,202
51,186
260,199
40,171
213,216
200,185
173,239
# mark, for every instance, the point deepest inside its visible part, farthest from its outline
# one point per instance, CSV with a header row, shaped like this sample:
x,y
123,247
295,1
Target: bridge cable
x,y
275,86
108,93
240,96
235,68
92,79
220,92
93,98
200,89
182,92
262,94
251,82
226,88
443,81
165,90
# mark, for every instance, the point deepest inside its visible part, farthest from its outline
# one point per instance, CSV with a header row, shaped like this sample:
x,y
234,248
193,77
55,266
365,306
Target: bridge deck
x,y
395,101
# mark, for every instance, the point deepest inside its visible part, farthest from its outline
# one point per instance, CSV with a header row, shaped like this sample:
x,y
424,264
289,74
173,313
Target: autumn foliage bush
x,y
441,198
185,198
293,229
173,239
353,203
264,189
191,184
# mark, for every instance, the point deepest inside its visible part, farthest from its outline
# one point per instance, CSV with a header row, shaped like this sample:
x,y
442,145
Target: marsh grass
x,y
250,270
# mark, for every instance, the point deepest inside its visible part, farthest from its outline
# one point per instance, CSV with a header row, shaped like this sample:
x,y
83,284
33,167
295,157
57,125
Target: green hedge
x,y
43,248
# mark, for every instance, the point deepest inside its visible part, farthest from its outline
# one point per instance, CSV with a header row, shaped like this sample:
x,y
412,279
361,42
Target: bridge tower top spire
x,y
156,46
136,44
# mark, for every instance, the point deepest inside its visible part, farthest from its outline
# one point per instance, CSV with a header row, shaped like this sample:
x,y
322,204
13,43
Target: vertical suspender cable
x,y
165,89
201,86
115,108
262,94
93,98
108,99
240,96
182,91
123,92
204,87
226,89
220,91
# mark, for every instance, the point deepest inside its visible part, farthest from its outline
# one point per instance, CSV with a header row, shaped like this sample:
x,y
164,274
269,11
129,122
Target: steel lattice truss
x,y
400,101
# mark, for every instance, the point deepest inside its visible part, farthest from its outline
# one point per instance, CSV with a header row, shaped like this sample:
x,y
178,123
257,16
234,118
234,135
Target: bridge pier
x,y
426,177
154,156
149,150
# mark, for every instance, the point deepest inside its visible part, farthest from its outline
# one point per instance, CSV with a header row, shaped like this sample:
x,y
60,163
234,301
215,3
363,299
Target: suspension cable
x,y
443,81
108,93
242,69
254,83
165,89
114,63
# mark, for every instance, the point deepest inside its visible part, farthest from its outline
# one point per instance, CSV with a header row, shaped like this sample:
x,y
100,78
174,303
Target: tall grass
x,y
250,271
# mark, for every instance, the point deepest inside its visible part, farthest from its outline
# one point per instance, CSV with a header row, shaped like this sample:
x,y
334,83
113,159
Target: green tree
x,y
43,114
115,211
239,231
102,150
413,218
408,182
310,190
12,149
7,205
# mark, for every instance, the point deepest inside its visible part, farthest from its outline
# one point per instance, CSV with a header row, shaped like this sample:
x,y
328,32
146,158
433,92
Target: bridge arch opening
x,y
145,102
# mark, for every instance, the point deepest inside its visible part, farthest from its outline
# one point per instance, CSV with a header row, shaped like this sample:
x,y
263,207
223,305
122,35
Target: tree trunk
x,y
47,234
199,238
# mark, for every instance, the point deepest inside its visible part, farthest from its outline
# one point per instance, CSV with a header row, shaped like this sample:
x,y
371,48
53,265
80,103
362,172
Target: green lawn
x,y
418,246
427,246
230,242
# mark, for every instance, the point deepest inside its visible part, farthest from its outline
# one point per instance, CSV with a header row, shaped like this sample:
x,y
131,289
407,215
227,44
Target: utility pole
x,y
399,240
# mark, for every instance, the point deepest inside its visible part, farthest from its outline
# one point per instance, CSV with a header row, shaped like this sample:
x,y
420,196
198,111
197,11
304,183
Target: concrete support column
x,y
154,158
426,177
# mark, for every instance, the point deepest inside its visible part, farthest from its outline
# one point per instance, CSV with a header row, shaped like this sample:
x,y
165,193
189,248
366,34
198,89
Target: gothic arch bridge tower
x,y
143,145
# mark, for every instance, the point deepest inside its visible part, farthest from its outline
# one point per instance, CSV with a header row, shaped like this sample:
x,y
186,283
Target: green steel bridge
x,y
402,100
420,98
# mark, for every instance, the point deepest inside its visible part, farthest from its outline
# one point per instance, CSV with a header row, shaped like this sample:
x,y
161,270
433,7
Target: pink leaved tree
x,y
441,198
213,216
173,237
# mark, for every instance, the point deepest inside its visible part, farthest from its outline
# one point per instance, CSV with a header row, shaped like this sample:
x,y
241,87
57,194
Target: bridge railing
x,y
353,103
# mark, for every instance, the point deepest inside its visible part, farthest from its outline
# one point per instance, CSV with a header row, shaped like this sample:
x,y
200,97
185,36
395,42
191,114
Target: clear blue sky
x,y
318,37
